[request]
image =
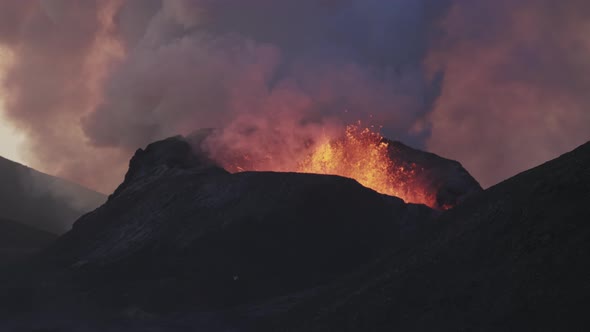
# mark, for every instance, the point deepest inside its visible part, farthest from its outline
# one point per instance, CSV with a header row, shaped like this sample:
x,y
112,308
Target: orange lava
x,y
364,155
359,153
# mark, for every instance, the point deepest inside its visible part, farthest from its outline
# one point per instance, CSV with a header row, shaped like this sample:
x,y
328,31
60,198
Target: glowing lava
x,y
358,153
365,156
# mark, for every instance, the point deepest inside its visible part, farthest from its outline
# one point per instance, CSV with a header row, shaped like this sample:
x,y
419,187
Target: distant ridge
x,y
42,201
183,245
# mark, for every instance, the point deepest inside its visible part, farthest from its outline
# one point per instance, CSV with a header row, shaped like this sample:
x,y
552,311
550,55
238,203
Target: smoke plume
x,y
492,84
280,65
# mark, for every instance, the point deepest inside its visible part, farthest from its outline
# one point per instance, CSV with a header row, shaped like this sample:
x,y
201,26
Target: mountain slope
x,y
40,200
447,179
17,240
184,245
198,235
514,257
17,235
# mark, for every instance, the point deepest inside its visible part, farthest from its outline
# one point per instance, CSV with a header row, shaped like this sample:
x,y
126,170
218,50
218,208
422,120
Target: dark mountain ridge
x,y
446,178
513,257
42,201
230,238
183,245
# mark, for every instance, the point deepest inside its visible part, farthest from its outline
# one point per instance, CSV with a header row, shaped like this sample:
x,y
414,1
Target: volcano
x,y
513,257
180,218
184,244
388,167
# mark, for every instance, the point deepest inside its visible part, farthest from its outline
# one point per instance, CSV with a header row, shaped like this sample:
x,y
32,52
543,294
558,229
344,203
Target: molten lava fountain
x,y
360,154
364,155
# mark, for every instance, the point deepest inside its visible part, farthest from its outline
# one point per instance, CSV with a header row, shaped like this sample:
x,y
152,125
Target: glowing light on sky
x,y
10,141
10,138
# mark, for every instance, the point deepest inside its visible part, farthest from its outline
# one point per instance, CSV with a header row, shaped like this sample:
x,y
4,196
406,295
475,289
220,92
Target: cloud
x,y
202,63
515,88
60,54
95,80
498,85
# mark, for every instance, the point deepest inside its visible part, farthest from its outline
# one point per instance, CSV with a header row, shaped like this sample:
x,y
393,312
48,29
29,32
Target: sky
x,y
10,138
500,86
11,142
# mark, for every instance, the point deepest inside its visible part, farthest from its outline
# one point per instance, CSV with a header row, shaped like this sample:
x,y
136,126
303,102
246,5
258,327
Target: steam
x,y
491,84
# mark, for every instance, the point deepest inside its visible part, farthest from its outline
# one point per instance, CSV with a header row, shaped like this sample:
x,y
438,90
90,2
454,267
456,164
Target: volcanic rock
x,y
514,257
443,178
194,234
184,245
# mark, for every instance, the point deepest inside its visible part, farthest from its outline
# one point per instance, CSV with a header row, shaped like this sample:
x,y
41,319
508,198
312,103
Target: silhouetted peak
x,y
171,154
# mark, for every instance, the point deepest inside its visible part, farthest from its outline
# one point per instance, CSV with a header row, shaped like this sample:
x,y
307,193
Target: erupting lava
x,y
364,155
360,154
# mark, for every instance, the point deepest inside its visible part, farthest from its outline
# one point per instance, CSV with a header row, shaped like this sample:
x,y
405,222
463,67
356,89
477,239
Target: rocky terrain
x,y
447,179
229,238
183,245
42,201
514,257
